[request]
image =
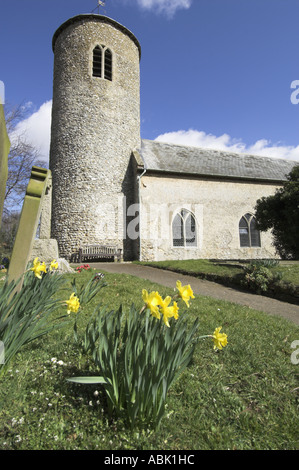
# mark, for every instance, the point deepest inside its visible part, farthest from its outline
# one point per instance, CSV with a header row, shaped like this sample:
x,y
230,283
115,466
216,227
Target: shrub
x,y
266,263
257,278
279,213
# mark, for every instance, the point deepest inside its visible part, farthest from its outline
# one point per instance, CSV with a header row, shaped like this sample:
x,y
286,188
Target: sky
x,y
220,74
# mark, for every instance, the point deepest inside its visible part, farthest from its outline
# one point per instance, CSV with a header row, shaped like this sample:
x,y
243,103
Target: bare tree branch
x,y
21,158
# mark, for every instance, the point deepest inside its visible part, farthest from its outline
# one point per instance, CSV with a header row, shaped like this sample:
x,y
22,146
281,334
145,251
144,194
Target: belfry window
x,y
108,65
97,62
249,235
184,229
102,63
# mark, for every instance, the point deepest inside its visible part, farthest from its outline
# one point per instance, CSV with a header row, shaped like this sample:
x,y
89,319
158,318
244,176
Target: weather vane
x,y
101,3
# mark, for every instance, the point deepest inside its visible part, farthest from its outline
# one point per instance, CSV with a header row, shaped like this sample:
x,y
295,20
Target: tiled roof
x,y
170,158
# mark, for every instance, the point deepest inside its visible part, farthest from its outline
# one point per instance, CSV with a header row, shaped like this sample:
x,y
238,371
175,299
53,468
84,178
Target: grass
x,y
229,273
243,397
198,266
289,270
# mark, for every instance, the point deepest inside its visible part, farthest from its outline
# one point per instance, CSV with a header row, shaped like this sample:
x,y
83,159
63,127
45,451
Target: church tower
x,y
95,128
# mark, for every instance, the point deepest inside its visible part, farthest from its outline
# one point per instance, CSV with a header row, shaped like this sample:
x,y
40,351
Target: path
x,y
207,288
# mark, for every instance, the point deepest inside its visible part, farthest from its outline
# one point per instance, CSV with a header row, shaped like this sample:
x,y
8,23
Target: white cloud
x,y
36,129
169,7
224,142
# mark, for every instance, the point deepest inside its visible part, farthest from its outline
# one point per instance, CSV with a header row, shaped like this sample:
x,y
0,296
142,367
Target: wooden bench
x,y
90,252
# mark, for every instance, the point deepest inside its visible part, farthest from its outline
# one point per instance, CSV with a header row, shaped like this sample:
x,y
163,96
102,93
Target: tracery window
x,y
249,235
184,229
102,62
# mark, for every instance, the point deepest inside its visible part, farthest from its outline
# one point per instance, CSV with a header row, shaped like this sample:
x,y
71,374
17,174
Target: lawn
x,y
199,267
289,270
283,285
242,397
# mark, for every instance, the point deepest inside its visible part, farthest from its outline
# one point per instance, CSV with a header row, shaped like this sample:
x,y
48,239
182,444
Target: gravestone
x,y
44,247
28,224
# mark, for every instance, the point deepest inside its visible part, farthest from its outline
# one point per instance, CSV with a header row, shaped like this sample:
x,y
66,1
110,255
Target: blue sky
x,y
214,73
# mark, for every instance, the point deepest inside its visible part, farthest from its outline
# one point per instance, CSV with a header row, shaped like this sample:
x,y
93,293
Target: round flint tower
x,y
95,128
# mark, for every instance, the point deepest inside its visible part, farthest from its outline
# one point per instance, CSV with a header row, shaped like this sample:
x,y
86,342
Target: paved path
x,y
207,288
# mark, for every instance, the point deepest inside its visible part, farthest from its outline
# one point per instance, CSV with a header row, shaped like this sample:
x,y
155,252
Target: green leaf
x,y
88,380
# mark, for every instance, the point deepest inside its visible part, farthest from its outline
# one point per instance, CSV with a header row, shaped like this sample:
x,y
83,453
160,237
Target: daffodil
x,y
73,304
167,311
38,268
175,310
185,292
152,301
220,339
53,265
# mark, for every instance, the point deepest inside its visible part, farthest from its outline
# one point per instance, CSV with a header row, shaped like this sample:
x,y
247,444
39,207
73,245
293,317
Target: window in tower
x,y
102,63
97,62
108,65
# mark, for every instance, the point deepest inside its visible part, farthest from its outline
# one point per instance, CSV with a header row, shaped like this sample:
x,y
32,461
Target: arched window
x,y
249,235
108,65
97,62
102,63
184,229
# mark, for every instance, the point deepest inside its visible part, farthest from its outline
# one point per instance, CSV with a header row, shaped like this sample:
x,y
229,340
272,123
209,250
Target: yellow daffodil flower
x,y
220,339
38,268
152,301
185,292
73,304
53,265
167,311
175,310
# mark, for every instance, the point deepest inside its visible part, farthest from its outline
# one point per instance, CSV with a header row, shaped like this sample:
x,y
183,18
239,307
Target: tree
x,y
8,232
280,213
21,158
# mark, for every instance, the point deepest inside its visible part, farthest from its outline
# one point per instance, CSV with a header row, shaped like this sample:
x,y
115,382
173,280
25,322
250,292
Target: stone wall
x,y
95,126
217,206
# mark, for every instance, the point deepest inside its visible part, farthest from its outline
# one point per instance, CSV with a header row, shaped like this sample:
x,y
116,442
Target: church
x,y
154,201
